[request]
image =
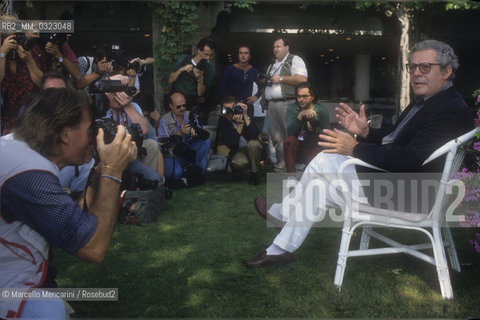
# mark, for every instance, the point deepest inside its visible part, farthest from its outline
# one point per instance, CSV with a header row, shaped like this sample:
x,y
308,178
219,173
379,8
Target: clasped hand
x,y
118,154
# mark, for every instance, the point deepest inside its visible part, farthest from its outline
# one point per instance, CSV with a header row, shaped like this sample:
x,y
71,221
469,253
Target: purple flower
x,y
478,98
476,146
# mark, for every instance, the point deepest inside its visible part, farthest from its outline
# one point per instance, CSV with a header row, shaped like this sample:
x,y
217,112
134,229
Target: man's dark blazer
x,y
443,117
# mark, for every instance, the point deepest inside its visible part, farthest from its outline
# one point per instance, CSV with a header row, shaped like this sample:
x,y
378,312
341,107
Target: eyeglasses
x,y
303,96
181,105
424,67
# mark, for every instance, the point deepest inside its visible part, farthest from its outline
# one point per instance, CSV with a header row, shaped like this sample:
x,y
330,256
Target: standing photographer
x,y
94,68
193,75
54,132
63,59
22,64
237,138
191,142
283,74
305,121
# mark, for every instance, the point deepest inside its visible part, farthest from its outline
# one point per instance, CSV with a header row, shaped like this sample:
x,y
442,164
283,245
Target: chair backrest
x,y
455,155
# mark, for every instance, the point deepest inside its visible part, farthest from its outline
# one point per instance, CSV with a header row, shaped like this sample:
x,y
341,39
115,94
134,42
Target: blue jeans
x,y
174,166
138,168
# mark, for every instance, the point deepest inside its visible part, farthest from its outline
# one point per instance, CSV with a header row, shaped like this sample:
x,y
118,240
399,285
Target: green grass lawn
x,y
188,264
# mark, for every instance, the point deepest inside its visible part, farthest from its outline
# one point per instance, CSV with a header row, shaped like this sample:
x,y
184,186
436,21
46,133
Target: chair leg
x,y
365,239
342,255
450,245
441,264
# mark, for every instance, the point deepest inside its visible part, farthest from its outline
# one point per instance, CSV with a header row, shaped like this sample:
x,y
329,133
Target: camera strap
x,y
121,117
275,71
166,130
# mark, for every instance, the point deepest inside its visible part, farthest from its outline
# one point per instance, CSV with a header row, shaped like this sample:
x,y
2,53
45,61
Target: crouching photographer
x,y
54,132
184,142
112,106
237,138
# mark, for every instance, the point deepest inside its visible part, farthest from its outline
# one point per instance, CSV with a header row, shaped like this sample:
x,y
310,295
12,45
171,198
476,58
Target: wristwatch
x,y
281,79
2,55
60,59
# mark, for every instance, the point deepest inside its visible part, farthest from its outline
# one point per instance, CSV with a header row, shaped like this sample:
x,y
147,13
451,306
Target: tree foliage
x,y
462,5
178,25
177,21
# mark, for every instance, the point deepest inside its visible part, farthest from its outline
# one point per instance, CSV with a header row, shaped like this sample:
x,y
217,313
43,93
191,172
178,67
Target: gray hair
x,y
445,54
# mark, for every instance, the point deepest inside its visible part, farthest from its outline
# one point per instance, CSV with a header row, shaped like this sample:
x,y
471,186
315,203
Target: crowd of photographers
x,y
88,126
172,147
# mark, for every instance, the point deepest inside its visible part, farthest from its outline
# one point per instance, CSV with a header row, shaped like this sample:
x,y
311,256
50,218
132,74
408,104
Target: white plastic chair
x,y
430,223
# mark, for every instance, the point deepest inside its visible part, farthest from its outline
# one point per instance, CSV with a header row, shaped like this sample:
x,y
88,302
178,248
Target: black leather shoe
x,y
253,179
264,260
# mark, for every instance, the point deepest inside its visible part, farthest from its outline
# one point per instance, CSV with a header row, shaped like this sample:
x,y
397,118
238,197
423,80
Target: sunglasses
x,y
181,105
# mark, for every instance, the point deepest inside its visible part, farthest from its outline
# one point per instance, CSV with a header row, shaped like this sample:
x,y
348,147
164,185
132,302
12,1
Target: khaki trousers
x,y
276,113
252,155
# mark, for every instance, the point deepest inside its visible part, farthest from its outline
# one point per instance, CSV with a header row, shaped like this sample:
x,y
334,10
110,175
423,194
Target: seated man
x,y
305,120
36,213
192,143
437,115
237,138
125,112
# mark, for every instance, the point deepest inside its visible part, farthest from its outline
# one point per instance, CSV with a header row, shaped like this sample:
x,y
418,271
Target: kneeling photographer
x,y
305,121
113,104
54,132
237,138
184,143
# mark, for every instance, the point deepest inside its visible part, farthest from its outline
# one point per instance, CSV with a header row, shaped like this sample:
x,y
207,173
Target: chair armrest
x,y
439,152
358,162
452,145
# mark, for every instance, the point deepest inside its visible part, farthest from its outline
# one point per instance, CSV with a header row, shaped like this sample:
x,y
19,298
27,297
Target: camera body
x,y
57,38
236,109
315,124
135,66
22,40
109,128
174,146
194,121
100,104
200,66
266,78
27,44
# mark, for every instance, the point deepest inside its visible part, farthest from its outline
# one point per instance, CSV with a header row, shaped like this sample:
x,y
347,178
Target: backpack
x,y
141,207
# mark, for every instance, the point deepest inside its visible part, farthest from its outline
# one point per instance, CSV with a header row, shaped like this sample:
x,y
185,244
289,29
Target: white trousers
x,y
309,200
